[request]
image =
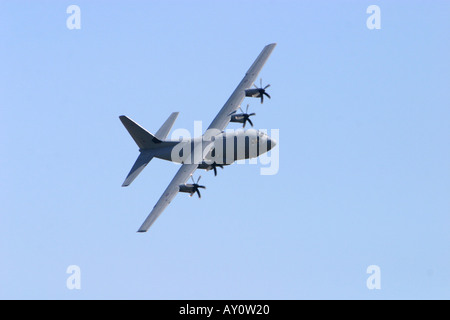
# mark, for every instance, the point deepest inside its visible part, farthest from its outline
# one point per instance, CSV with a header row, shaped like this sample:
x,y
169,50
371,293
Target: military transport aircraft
x,y
215,148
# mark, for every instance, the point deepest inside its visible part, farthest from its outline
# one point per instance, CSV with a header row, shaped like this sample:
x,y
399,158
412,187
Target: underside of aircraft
x,y
214,149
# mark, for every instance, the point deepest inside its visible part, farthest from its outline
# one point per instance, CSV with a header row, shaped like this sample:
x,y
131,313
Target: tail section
x,y
167,126
143,138
141,162
148,143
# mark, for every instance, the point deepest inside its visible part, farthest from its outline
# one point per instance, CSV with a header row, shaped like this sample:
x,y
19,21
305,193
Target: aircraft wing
x,y
219,123
222,119
181,177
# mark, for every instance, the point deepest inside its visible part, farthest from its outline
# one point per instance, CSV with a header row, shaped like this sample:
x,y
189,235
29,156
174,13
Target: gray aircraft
x,y
215,148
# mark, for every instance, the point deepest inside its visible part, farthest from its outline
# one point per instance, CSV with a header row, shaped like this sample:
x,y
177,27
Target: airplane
x,y
215,148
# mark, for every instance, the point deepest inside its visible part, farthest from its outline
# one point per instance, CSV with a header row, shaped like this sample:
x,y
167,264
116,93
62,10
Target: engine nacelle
x,y
239,118
258,92
187,188
253,93
211,166
191,188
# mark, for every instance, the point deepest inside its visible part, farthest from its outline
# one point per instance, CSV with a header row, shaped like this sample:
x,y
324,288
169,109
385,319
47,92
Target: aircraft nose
x,y
271,143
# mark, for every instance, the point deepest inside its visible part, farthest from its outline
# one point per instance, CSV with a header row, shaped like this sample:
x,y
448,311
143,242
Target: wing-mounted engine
x,y
212,166
258,92
192,188
242,117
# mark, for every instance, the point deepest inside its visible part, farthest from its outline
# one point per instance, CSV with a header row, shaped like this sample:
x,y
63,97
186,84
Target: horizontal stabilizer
x,y
143,138
141,162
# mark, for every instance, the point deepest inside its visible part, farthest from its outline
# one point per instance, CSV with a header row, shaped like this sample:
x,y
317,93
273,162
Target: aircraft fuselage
x,y
228,148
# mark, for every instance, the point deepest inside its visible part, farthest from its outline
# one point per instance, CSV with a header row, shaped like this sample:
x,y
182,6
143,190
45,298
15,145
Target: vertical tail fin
x,y
167,126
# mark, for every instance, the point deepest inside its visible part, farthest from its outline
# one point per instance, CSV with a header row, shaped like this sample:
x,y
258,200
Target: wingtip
x,y
175,114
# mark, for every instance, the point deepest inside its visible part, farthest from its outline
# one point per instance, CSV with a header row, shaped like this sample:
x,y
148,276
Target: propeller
x,y
196,186
262,91
214,167
245,116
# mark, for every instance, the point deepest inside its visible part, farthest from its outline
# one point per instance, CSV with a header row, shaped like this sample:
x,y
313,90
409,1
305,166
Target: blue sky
x,y
363,118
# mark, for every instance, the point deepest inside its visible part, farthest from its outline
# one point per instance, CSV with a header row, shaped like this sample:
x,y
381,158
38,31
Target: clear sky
x,y
364,160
